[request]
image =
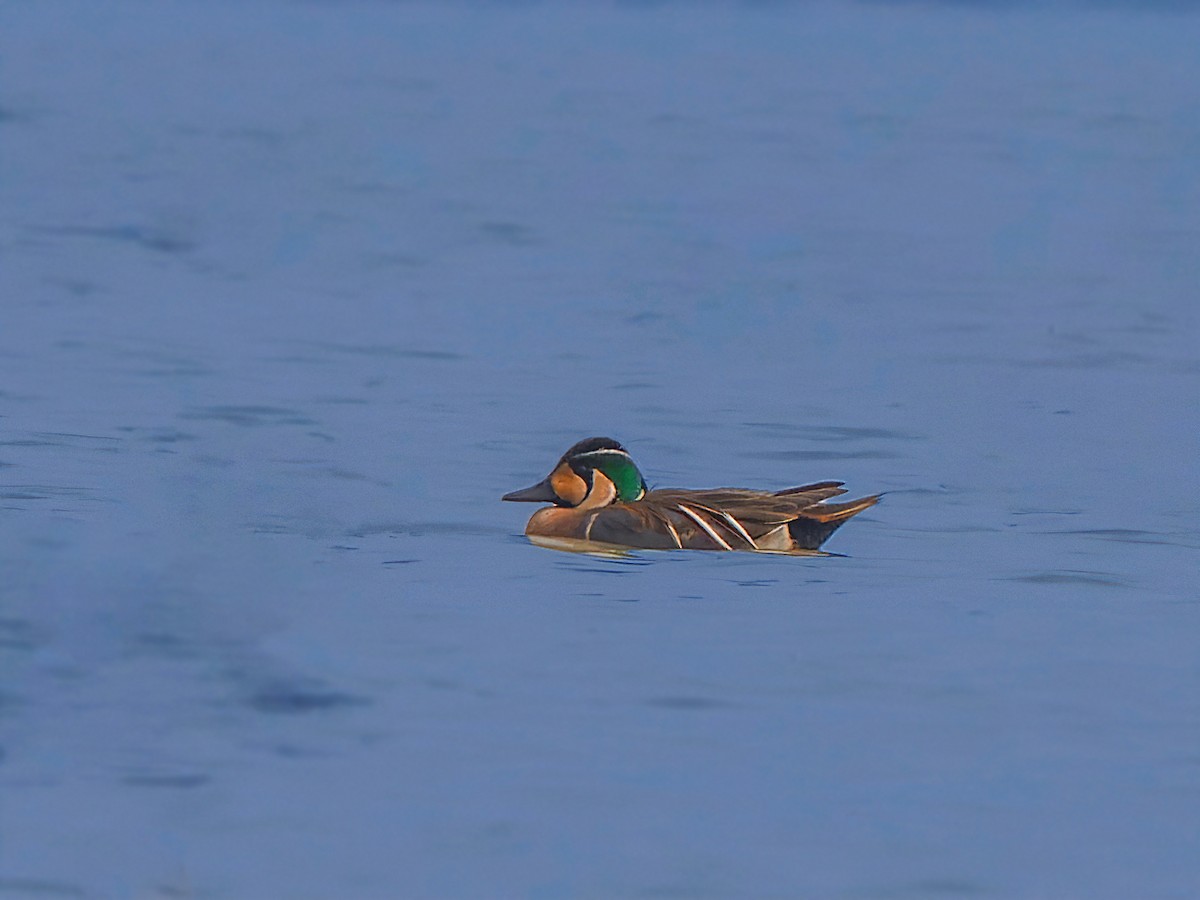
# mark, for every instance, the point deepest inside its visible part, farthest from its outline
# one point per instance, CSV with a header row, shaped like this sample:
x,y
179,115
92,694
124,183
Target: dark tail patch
x,y
814,526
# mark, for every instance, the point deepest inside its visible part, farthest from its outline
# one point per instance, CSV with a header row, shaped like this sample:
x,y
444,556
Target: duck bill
x,y
538,493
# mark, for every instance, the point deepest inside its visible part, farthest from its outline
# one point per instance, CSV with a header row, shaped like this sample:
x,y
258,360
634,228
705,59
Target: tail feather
x,y
839,512
814,525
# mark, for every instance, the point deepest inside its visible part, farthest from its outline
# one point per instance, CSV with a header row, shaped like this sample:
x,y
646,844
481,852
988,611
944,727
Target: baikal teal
x,y
599,497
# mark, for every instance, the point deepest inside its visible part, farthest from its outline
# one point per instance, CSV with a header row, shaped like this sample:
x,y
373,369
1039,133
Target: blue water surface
x,y
291,293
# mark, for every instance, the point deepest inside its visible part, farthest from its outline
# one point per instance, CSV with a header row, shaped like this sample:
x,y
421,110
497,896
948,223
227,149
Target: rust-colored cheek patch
x,y
569,486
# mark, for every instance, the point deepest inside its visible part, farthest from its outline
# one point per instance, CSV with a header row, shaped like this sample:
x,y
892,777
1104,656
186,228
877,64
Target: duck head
x,y
593,473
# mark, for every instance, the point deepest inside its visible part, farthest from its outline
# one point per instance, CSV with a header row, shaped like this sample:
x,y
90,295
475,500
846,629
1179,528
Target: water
x,y
291,293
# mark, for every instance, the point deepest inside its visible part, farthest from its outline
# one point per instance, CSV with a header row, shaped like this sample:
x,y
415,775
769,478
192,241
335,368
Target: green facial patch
x,y
620,470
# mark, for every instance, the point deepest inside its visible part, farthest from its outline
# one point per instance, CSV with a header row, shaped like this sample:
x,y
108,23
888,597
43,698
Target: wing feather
x,y
708,529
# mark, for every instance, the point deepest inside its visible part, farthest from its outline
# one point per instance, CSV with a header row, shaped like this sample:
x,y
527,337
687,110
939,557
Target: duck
x,y
599,496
